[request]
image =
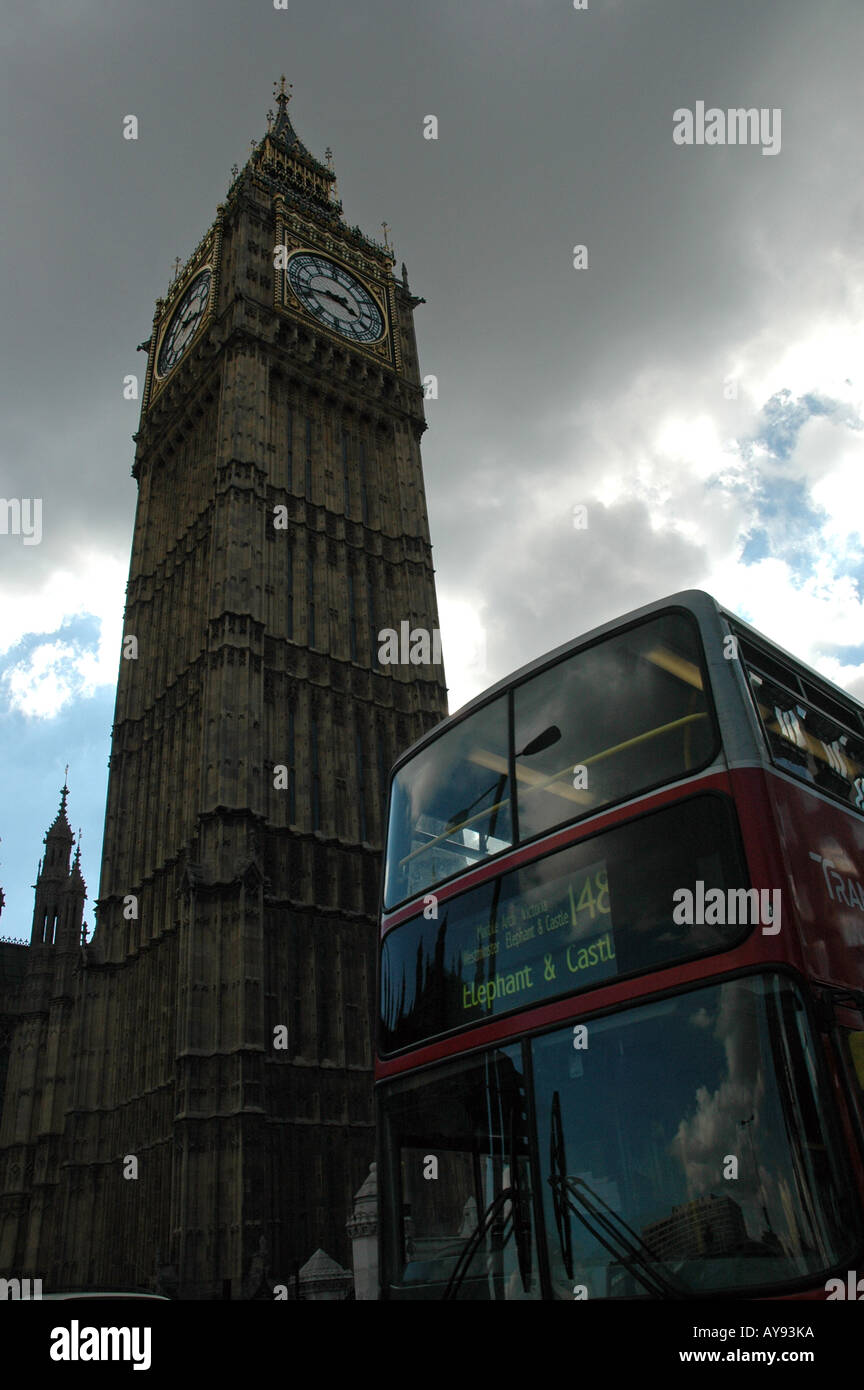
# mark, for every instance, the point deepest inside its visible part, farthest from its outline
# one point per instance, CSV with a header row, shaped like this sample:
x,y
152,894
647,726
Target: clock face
x,y
335,297
184,322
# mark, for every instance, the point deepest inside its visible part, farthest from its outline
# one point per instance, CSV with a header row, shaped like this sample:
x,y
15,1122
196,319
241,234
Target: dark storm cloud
x,y
555,128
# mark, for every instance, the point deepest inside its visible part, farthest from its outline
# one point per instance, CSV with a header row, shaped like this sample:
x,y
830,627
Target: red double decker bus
x,y
621,977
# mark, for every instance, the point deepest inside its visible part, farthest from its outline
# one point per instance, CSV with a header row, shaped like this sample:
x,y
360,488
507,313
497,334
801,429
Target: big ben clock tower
x,y
223,1025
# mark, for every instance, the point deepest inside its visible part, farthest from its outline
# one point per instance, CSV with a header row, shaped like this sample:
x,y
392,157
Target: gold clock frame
x,y
206,256
379,286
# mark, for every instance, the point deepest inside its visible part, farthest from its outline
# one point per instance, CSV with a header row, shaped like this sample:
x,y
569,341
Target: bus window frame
x,y
717,754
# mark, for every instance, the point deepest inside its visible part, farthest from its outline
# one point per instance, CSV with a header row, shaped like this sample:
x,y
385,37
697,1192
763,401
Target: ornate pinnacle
x,y
281,95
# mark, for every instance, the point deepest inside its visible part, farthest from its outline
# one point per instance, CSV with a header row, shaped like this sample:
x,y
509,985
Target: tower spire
x,y
281,157
53,873
281,128
60,831
70,914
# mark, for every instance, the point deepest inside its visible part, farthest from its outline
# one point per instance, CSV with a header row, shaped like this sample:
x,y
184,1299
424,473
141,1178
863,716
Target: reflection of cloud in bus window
x,y
701,1019
712,1131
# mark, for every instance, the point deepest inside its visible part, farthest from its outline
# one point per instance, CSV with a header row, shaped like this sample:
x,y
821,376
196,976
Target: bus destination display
x,y
562,924
537,943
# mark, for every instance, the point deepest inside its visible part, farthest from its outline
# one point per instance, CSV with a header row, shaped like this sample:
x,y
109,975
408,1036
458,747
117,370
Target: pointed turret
x,y
73,894
282,158
282,129
53,875
75,884
58,842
